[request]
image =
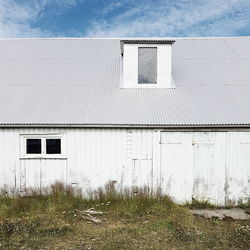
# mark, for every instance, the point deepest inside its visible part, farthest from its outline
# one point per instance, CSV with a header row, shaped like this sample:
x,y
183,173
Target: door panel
x,y
140,158
193,165
142,173
30,175
39,174
238,168
53,171
176,165
209,166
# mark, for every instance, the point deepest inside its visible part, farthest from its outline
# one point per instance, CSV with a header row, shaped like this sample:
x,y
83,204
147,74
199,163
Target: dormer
x,y
146,64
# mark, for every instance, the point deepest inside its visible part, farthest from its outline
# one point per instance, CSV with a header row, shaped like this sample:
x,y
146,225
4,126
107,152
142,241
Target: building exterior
x,y
169,114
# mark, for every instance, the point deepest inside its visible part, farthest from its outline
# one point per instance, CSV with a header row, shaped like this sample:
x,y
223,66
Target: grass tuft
x,y
199,204
132,219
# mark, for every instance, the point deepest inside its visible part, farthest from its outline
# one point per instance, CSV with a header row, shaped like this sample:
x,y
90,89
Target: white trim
x,y
59,157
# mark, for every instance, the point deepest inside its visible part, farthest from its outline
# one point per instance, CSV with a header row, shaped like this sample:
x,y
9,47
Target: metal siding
x,y
209,166
141,161
39,72
96,157
238,168
203,49
203,165
238,45
76,81
177,165
30,173
51,49
52,171
211,72
106,105
9,158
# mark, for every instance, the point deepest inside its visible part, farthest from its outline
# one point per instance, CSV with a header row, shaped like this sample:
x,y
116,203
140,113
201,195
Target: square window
x,y
53,146
147,65
34,146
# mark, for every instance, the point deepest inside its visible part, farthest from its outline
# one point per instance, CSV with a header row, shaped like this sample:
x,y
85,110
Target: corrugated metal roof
x,y
143,41
76,82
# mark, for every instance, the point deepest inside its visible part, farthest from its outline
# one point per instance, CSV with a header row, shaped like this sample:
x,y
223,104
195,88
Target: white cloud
x,y
17,17
174,18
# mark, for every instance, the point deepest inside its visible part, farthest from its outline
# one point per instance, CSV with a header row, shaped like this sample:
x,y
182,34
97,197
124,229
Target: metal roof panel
x,y
76,82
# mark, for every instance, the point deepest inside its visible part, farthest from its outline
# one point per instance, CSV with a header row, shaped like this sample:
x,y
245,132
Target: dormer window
x,y
146,64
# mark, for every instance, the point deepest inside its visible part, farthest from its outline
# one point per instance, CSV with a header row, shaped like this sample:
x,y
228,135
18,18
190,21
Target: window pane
x,y
53,146
147,65
33,146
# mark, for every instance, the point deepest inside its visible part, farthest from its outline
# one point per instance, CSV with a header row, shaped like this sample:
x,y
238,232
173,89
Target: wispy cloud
x,y
172,18
17,17
112,18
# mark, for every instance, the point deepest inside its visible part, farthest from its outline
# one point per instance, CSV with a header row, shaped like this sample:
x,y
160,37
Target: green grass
x,y
197,204
130,221
246,206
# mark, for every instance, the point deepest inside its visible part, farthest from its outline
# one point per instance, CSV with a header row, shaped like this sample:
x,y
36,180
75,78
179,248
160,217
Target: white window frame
x,y
43,137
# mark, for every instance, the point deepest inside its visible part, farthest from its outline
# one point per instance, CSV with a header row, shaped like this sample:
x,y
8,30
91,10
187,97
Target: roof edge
x,y
184,126
144,41
148,41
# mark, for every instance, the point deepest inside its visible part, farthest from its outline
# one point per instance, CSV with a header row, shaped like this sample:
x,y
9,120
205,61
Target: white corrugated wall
x,y
212,166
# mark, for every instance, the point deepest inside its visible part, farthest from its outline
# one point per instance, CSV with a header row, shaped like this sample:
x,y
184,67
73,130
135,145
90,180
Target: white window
x,y
42,146
147,65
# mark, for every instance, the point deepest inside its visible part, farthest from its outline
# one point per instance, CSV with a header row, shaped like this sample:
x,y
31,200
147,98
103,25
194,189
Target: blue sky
x,y
124,18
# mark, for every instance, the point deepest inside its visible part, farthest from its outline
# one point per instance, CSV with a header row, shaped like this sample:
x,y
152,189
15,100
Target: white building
x,y
167,114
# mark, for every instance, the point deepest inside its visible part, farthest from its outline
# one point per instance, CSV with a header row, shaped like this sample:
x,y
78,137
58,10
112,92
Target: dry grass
x,y
131,221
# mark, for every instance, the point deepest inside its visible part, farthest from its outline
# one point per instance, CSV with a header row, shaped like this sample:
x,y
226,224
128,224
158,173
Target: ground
x,y
221,214
53,221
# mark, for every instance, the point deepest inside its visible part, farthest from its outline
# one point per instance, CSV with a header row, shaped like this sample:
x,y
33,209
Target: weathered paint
x,y
205,165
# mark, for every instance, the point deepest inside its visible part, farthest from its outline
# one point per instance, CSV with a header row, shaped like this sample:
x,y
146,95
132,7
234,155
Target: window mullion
x,y
43,146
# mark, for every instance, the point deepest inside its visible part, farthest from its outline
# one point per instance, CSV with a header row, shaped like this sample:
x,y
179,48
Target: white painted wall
x,y
212,166
130,66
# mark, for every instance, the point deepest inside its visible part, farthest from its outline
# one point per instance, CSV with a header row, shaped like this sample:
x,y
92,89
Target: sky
x,y
124,18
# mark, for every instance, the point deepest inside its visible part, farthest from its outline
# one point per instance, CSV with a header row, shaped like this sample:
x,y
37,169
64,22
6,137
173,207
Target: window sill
x,y
51,157
147,83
